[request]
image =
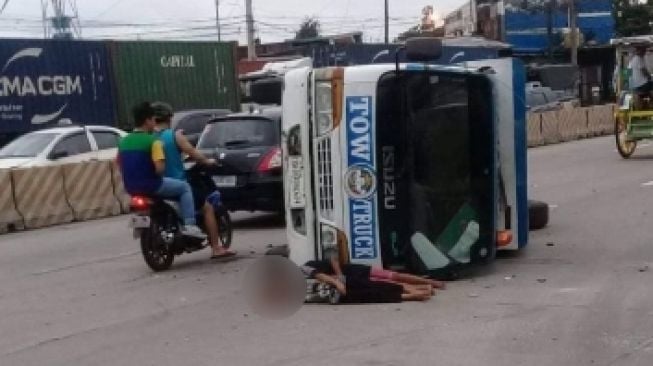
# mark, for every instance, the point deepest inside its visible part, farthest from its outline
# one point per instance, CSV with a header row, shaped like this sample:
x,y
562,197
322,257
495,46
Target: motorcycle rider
x,y
142,163
174,144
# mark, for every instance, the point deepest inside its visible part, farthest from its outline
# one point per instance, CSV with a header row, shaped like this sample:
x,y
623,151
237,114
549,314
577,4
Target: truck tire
x,y
538,215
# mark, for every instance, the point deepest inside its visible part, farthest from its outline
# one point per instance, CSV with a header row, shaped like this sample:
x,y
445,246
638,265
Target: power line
x,y
4,5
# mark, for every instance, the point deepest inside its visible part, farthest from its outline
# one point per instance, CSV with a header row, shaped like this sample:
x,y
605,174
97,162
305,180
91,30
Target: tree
x,y
310,28
633,19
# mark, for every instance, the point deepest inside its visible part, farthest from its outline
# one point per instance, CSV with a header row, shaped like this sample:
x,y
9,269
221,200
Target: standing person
x,y
174,143
640,77
142,164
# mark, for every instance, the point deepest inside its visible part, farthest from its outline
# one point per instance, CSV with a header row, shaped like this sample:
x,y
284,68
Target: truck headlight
x,y
323,107
328,238
334,242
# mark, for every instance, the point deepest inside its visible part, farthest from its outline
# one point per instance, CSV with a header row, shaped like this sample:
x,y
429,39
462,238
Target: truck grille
x,y
325,178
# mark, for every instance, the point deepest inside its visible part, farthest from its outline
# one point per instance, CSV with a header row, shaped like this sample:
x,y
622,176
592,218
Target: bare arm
x,y
335,265
332,281
187,148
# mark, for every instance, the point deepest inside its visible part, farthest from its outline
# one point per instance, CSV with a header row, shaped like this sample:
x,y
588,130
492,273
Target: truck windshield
x,y
435,150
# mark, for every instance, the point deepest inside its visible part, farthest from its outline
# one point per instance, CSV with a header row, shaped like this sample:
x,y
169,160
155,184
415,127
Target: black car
x,y
247,147
192,122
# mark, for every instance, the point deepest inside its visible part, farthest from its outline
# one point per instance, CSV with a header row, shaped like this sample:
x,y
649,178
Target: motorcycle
x,y
157,222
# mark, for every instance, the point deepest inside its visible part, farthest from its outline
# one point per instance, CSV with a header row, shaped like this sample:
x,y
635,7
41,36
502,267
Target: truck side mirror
x,y
423,49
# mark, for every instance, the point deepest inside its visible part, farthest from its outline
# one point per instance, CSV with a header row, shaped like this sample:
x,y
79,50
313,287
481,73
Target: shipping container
x,y
188,75
45,81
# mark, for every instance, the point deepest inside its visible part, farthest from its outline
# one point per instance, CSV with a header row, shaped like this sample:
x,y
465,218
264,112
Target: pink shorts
x,y
380,274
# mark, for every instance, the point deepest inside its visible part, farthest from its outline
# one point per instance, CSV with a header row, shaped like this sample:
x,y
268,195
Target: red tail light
x,y
139,203
271,160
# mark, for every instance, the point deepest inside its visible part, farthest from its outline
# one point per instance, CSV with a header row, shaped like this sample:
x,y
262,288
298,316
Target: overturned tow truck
x,y
411,166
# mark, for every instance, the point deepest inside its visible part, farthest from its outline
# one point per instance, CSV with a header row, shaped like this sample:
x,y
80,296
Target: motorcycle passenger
x,y
174,144
142,164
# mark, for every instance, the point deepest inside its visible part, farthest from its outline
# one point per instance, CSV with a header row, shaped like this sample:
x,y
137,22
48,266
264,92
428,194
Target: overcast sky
x,y
195,19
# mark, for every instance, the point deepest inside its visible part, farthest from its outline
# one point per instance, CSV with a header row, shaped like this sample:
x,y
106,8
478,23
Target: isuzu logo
x,y
389,186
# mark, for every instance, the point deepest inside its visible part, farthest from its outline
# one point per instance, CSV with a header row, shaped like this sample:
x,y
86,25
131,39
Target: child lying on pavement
x,y
361,283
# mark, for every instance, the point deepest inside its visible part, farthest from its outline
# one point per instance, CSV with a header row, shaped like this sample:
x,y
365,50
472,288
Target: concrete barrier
x,y
601,119
534,129
89,190
551,128
10,219
119,189
40,197
570,124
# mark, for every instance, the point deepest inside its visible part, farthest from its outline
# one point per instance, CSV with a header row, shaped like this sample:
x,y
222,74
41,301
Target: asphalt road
x,y
579,295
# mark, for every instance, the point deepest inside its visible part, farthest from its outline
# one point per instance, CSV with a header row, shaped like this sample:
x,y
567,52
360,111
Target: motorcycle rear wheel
x,y
156,253
225,229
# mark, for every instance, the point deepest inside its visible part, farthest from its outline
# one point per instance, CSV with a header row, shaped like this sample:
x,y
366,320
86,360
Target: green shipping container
x,y
187,75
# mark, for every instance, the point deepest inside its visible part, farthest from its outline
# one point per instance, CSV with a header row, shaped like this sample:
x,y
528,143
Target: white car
x,y
61,145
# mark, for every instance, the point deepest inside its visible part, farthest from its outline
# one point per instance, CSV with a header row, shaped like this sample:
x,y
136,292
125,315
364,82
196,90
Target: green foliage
x,y
633,19
310,28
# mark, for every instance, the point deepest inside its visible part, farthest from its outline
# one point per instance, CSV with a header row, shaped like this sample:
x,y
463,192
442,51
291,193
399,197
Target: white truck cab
x,y
412,167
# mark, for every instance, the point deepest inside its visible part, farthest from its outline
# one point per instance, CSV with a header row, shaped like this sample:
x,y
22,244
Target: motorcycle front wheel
x,y
156,253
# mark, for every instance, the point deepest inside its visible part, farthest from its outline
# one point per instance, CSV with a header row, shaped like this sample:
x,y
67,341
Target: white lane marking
x,y
553,206
647,184
647,144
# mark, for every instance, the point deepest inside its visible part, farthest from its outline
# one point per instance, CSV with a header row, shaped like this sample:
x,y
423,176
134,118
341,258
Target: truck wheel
x,y
538,215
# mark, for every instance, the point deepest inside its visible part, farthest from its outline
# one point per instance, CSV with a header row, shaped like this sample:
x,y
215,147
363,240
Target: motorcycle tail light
x,y
138,203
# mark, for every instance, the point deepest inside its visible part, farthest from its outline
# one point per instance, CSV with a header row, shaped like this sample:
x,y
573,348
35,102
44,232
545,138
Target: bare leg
x,y
416,280
212,231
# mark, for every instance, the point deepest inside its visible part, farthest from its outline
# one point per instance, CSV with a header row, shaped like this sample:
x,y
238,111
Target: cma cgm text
x,y
43,85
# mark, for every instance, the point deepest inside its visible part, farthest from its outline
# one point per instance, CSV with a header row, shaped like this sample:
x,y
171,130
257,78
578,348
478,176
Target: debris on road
x,y
549,244
541,280
645,268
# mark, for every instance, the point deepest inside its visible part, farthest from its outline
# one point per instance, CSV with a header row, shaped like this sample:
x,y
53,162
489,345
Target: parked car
x,y
61,145
247,147
192,122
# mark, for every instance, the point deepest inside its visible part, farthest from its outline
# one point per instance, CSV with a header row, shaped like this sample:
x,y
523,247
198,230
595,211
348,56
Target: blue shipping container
x,y
44,81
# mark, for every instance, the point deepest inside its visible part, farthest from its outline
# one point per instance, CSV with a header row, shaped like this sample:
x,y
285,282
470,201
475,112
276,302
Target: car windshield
x,y
237,133
27,146
435,154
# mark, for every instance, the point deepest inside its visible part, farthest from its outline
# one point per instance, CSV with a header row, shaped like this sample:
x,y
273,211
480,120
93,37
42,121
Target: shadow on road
x,y
260,221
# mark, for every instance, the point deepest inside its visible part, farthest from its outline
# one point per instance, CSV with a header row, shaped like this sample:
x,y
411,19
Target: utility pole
x,y
550,9
574,34
249,18
387,21
217,17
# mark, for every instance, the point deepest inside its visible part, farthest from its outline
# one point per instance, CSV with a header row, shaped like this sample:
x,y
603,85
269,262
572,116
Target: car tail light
x,y
271,160
139,203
